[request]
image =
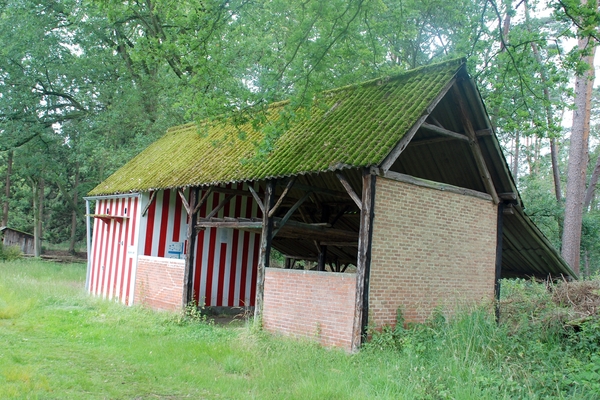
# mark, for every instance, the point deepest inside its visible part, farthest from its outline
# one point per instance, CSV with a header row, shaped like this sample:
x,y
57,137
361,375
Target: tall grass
x,y
57,342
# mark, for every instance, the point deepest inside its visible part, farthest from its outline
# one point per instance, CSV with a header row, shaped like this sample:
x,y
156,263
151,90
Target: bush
x,y
10,253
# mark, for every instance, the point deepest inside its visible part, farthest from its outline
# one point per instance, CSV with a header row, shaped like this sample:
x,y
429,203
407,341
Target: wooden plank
x,y
444,132
285,192
258,200
188,276
264,254
435,185
226,200
476,150
363,261
349,189
391,158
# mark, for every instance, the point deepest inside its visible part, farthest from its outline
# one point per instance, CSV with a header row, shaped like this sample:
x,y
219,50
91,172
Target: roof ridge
x,y
375,81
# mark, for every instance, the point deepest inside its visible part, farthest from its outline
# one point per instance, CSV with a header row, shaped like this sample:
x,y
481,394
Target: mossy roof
x,y
350,127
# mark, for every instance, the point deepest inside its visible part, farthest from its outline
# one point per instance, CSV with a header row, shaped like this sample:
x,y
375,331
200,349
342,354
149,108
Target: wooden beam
x,y
264,254
188,275
391,158
226,200
257,199
444,132
315,189
290,212
203,199
152,196
283,194
340,244
363,262
184,201
498,277
349,189
435,185
474,143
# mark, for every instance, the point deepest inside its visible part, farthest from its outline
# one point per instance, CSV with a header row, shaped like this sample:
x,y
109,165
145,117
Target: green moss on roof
x,y
350,127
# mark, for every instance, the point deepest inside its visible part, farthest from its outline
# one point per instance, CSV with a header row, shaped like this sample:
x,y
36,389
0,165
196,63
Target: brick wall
x,y
159,283
315,305
430,248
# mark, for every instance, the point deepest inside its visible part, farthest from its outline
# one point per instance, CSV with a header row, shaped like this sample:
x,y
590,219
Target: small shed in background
x,y
13,237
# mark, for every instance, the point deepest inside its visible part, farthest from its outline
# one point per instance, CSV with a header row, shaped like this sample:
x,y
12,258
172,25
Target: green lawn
x,y
57,342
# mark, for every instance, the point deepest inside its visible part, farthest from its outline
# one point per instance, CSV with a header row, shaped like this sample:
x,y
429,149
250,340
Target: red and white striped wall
x,y
225,259
113,253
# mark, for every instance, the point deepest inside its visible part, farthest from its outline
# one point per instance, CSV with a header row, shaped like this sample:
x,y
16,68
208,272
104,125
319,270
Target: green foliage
x,y
10,253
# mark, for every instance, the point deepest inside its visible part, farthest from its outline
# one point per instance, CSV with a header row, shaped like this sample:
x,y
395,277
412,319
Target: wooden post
x,y
265,250
188,276
363,261
499,258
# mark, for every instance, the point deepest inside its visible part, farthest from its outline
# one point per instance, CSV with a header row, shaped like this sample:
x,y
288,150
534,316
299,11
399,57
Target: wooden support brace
x,y
349,189
202,200
188,275
290,212
184,201
257,199
363,261
285,192
474,143
264,253
226,200
152,196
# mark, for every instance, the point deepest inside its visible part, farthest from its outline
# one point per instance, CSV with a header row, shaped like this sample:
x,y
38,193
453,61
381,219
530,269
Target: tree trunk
x,y
38,213
589,193
6,204
515,166
549,120
578,159
74,212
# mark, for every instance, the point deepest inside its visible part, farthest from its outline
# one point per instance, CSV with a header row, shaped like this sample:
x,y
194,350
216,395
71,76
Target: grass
x,y
56,342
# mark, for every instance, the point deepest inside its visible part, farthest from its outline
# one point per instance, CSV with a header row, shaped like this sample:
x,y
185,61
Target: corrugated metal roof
x,y
354,126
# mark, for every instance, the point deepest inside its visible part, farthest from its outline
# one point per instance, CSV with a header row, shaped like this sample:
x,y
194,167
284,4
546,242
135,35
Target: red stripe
x,y
150,227
107,247
97,241
116,268
164,223
198,256
211,257
234,254
113,229
128,284
222,262
129,224
254,270
245,249
177,216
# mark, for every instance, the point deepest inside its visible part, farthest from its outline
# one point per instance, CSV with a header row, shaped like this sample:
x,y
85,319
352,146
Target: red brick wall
x,y
315,305
159,283
430,248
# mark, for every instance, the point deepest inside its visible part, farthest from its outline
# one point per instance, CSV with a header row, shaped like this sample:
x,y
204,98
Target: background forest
x,y
85,85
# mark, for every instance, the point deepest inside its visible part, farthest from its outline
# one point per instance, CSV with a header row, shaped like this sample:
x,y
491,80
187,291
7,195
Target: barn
x,y
14,237
395,190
